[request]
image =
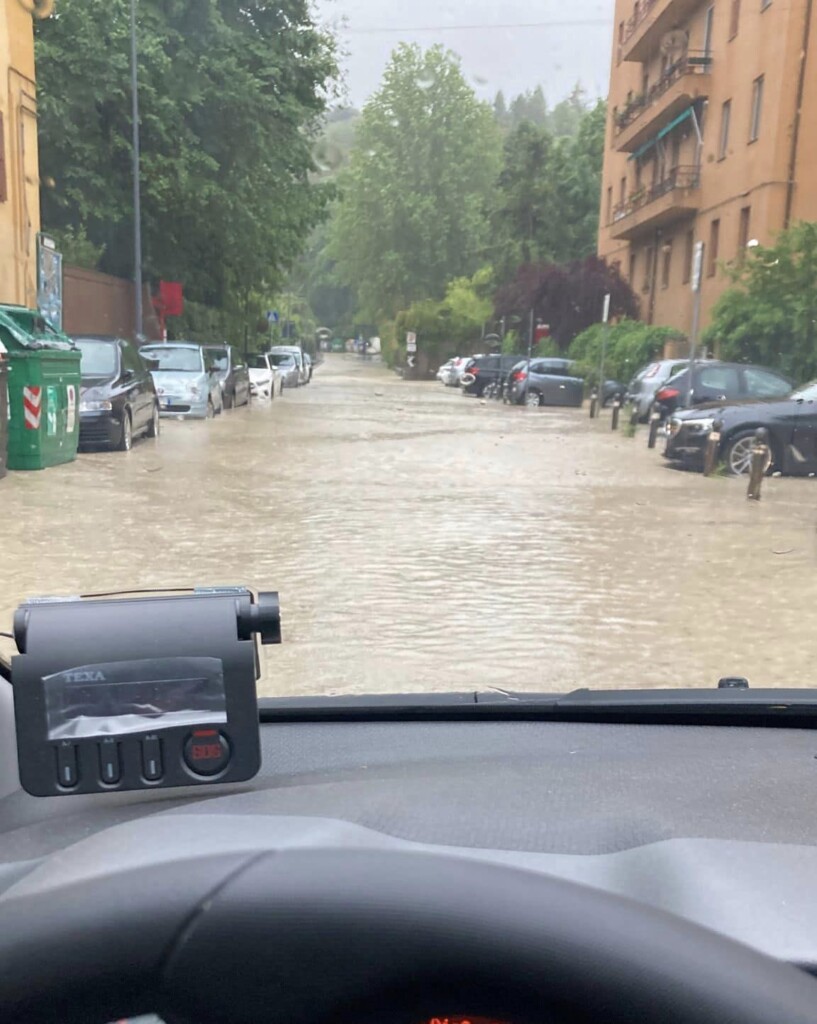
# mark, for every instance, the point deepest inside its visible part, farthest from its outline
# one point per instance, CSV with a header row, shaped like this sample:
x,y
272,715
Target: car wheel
x,y
227,400
153,425
125,442
737,454
533,399
211,410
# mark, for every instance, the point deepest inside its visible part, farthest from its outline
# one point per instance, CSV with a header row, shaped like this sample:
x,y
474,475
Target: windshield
x,y
98,358
501,232
180,360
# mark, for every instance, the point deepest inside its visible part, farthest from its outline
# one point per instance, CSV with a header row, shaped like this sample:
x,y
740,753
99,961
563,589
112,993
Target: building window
x,y
648,254
734,19
726,116
633,268
689,251
757,109
714,238
609,204
666,263
743,232
622,196
710,14
3,186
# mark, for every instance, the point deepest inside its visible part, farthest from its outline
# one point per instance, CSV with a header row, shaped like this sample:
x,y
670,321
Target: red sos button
x,y
206,751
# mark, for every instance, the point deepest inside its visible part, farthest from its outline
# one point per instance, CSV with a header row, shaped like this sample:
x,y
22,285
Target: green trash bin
x,y
43,391
4,417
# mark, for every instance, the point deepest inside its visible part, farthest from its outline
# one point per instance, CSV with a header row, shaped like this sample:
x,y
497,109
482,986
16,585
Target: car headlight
x,y
703,426
94,406
221,384
195,390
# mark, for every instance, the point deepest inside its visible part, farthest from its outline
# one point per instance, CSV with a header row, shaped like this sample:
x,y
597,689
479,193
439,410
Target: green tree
x,y
566,116
444,328
425,157
630,344
577,166
769,315
231,94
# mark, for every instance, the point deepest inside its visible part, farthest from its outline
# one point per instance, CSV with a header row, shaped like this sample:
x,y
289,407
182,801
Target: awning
x,y
647,146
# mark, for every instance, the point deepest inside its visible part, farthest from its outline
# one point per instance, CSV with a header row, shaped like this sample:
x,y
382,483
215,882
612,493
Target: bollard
x,y
616,410
633,415
713,444
760,463
593,402
655,423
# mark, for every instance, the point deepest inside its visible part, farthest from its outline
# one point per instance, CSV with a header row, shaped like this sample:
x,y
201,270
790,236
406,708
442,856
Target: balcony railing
x,y
696,62
641,11
684,177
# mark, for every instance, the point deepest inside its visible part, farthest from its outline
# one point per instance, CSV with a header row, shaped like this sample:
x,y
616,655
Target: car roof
x,y
110,339
174,344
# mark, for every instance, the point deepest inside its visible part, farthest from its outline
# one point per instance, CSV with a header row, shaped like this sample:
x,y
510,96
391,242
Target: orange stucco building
x,y
711,136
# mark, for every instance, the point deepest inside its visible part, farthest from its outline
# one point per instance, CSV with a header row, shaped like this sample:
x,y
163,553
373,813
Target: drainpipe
x,y
700,146
655,243
795,135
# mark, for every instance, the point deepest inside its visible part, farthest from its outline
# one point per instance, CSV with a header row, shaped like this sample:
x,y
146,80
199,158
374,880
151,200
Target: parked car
x,y
791,422
309,366
480,371
714,381
458,364
186,383
550,382
232,372
443,372
286,364
298,352
266,379
649,379
117,396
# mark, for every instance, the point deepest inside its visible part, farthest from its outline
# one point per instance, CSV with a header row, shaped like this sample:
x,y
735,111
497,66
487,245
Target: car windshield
x,y
98,358
500,232
180,360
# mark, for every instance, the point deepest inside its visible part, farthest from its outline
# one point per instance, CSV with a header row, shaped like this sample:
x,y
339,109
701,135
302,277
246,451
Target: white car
x,y
266,380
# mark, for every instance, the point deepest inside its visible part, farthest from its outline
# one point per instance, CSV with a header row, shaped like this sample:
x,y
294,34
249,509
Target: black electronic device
x,y
136,693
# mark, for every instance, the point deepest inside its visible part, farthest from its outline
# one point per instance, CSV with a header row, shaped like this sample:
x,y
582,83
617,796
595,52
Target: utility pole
x,y
697,274
605,319
137,198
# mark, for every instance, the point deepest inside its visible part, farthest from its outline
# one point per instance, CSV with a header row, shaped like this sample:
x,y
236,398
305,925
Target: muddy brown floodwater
x,y
421,540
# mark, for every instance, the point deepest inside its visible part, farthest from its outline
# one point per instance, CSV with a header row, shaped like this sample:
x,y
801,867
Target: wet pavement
x,y
421,540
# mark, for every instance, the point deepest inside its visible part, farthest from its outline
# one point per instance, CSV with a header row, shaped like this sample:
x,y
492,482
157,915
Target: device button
x,y
109,761
152,758
67,765
206,751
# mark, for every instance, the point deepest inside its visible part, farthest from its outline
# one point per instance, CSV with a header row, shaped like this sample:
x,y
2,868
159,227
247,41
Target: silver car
x,y
287,365
642,388
186,383
298,353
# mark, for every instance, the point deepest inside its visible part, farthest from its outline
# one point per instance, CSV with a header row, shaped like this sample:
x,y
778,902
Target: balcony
x,y
673,198
677,89
648,23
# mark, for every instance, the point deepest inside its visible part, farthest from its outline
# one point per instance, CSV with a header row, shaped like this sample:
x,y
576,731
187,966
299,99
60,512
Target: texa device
x,y
132,693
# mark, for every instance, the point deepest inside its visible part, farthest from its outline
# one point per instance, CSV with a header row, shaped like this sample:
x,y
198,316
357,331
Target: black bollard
x,y
616,410
655,423
633,415
713,444
760,463
593,404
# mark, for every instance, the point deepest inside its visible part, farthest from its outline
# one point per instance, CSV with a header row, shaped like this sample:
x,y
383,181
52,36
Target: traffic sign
x,y
697,266
272,316
411,362
411,341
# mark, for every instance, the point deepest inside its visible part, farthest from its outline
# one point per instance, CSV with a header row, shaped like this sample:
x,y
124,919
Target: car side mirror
x,y
151,362
127,374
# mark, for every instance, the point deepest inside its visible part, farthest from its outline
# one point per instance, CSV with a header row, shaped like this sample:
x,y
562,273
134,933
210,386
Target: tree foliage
x,y
446,328
231,92
769,315
425,157
531,107
630,345
568,297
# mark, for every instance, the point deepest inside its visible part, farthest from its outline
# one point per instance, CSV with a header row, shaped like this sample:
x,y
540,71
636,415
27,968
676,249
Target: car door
x,y
135,380
241,375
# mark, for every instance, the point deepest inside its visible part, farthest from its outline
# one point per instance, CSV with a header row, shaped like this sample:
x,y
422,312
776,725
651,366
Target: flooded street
x,y
425,541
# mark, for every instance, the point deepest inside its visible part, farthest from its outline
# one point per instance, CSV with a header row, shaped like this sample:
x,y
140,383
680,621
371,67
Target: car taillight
x,y
474,370
519,375
665,394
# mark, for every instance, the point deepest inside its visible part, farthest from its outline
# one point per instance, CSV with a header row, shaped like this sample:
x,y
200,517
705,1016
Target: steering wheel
x,y
330,936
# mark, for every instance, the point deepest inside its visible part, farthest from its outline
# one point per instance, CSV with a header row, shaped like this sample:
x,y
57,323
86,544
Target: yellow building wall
x,y
19,192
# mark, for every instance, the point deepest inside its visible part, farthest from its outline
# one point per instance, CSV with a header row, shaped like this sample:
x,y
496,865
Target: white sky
x,y
511,45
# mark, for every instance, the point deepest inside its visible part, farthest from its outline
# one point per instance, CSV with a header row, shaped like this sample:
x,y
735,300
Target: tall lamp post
x,y
137,198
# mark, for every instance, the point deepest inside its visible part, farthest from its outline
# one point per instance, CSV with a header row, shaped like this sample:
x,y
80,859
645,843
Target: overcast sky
x,y
511,45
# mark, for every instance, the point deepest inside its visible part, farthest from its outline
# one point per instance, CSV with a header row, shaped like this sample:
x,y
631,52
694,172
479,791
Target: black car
x,y
791,422
481,371
233,374
714,381
117,395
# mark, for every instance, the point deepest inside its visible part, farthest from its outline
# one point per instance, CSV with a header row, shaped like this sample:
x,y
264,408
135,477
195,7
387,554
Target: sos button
x,y
206,751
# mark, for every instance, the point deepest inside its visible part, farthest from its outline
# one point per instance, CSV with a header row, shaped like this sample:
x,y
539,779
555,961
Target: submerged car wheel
x,y
210,409
153,426
738,454
227,400
533,399
126,436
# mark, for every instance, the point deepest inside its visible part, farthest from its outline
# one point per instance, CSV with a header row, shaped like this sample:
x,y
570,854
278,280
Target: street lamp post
x,y
137,198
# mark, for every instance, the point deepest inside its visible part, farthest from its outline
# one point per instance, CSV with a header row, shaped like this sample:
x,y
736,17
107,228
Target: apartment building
x,y
19,174
711,136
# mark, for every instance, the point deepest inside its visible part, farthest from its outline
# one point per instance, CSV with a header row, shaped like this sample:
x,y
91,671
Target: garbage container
x,y
43,390
4,417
